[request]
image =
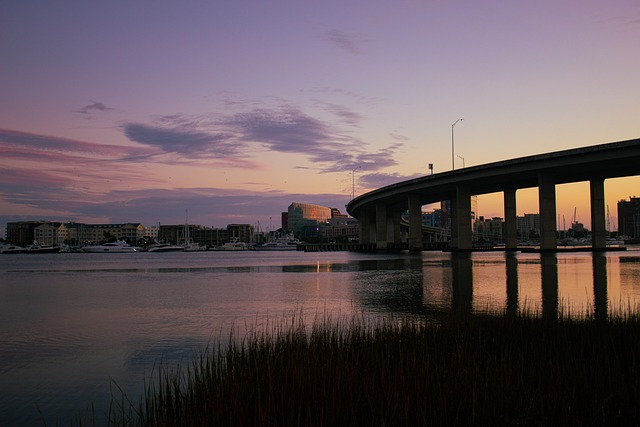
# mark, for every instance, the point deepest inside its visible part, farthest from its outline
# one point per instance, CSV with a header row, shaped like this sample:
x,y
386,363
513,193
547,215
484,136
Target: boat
x,y
165,247
113,247
12,249
42,249
188,244
615,241
235,245
285,243
193,247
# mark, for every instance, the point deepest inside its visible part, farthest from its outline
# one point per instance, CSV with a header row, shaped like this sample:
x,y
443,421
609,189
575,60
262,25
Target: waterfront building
x,y
24,233
96,233
21,233
241,232
342,229
47,233
335,213
528,226
73,233
210,237
305,220
629,217
489,229
151,233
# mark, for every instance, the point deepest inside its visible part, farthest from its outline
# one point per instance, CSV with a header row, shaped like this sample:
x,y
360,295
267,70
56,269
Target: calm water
x,y
72,326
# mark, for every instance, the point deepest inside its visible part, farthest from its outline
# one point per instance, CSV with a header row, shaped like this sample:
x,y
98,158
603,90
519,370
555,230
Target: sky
x,y
218,112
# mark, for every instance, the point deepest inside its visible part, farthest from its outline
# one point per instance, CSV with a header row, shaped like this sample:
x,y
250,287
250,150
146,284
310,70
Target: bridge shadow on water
x,y
446,285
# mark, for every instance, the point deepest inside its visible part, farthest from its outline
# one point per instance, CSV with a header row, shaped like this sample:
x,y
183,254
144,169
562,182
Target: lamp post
x,y
463,166
453,155
353,182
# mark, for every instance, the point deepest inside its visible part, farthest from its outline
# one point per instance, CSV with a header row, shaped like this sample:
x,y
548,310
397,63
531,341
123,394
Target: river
x,y
77,328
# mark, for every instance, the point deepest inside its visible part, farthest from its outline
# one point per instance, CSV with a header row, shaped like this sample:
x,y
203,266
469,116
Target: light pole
x,y
453,155
353,182
463,166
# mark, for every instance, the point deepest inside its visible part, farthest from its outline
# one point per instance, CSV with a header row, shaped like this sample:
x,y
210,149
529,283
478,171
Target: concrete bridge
x,y
379,211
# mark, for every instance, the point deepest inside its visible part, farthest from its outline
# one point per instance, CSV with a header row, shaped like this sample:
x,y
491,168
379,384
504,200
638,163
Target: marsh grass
x,y
463,370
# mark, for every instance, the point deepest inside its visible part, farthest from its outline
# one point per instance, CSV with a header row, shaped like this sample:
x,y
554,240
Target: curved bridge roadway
x,y
379,211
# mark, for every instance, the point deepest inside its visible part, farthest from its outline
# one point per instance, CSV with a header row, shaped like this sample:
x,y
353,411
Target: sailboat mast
x,y
187,236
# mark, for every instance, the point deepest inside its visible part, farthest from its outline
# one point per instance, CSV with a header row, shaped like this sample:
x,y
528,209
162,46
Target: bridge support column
x,y
598,230
394,227
462,217
547,201
415,222
366,224
453,215
510,219
381,226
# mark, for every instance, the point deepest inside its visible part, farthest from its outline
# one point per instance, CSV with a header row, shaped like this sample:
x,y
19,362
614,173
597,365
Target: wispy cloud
x,y
93,107
284,128
288,129
184,139
629,20
15,144
377,180
344,41
346,115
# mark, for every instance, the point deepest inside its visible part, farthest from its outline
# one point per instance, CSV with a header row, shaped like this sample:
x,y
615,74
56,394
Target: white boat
x,y
236,246
42,249
165,247
193,247
12,249
615,241
113,247
286,243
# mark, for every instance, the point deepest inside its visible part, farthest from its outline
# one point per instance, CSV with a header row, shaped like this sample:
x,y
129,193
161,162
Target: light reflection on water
x,y
70,323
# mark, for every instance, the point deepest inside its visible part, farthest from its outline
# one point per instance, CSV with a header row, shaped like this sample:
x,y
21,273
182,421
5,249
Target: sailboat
x,y
612,240
188,245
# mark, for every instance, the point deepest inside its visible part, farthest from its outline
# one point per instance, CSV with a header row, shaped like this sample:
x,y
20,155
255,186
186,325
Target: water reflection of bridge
x,y
410,287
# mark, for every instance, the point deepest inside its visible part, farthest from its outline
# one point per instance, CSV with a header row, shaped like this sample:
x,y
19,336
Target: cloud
x,y
183,140
206,206
377,180
93,107
285,128
22,145
344,41
336,92
347,115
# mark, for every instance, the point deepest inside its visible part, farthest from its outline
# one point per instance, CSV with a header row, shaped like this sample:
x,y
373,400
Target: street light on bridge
x,y
453,154
463,166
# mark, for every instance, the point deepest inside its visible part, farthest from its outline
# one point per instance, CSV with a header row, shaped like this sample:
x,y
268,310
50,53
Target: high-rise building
x,y
528,225
629,217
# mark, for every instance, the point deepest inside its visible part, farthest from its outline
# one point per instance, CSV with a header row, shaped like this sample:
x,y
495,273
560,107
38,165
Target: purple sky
x,y
137,111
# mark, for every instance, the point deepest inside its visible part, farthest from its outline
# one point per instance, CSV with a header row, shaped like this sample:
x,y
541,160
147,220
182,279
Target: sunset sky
x,y
135,111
